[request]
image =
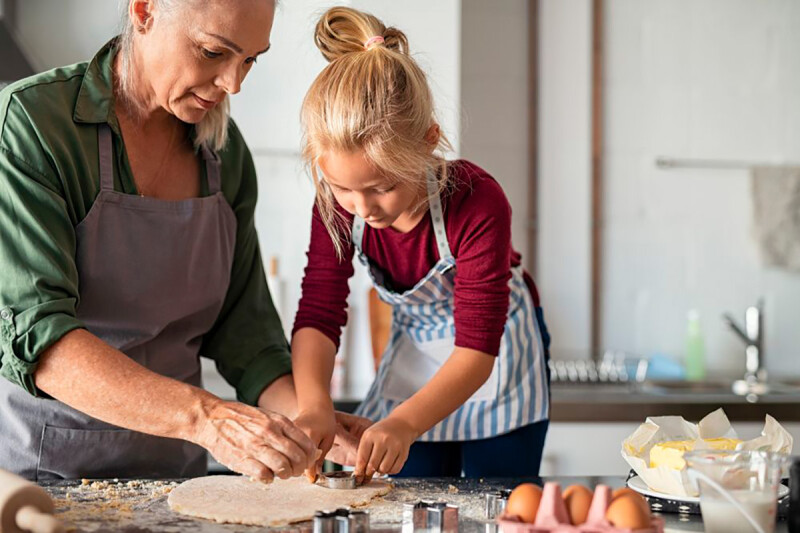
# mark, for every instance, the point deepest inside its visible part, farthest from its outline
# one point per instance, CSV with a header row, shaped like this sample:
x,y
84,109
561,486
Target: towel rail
x,y
716,164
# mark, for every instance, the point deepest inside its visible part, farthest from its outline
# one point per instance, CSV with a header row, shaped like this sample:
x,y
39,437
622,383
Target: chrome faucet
x,y
755,377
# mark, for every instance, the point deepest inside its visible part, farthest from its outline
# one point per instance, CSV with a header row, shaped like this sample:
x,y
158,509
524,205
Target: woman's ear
x,y
141,13
433,135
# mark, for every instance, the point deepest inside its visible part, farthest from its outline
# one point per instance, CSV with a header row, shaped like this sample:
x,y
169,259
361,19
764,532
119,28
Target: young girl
x,y
462,387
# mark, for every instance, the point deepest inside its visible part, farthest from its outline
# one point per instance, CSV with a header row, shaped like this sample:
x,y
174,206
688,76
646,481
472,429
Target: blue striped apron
x,y
423,337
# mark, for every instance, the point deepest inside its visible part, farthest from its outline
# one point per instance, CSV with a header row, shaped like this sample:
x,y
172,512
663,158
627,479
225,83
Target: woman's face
x,y
361,189
192,58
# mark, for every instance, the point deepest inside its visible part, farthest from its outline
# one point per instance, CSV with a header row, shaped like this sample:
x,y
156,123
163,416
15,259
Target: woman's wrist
x,y
199,414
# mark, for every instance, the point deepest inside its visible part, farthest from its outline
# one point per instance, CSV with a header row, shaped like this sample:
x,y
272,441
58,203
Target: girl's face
x,y
191,61
363,190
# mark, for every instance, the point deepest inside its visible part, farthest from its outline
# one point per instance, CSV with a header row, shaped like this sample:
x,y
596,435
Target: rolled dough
x,y
237,500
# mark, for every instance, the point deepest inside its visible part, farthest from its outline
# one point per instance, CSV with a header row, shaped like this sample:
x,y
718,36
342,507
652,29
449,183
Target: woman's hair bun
x,y
343,30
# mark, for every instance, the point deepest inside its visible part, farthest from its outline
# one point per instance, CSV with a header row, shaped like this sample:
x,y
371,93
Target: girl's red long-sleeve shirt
x,y
477,220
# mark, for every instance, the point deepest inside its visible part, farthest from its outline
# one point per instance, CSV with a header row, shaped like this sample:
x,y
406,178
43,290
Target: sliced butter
x,y
670,454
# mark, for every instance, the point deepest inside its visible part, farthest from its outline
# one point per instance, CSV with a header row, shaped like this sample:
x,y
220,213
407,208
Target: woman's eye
x,y
251,60
211,55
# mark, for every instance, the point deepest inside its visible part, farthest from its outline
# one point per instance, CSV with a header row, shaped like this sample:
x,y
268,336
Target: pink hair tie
x,y
373,40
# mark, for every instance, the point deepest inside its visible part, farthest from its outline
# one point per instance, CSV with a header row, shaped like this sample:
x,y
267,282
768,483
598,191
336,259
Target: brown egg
x,y
629,511
524,502
623,490
577,499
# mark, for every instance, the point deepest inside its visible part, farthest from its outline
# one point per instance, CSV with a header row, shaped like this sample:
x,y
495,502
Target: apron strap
x,y
106,155
357,233
213,174
437,216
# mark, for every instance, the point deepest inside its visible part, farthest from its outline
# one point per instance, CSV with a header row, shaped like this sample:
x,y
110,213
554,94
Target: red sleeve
x,y
323,304
480,238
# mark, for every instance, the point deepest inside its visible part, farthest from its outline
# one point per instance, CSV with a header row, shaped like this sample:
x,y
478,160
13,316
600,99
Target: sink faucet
x,y
753,337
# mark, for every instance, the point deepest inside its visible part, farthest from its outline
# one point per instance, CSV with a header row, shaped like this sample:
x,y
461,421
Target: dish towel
x,y
776,208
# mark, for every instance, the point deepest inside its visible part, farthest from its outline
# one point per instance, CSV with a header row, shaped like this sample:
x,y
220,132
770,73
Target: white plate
x,y
637,484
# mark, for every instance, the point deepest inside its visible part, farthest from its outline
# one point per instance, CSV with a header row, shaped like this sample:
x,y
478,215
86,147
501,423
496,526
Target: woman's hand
x,y
256,443
353,424
349,429
384,448
319,424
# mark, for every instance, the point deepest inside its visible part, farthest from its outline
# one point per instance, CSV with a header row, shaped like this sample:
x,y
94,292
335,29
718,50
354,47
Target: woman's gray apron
x,y
153,275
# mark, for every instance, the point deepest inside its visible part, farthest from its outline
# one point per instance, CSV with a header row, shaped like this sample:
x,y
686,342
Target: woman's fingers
x,y
254,469
274,460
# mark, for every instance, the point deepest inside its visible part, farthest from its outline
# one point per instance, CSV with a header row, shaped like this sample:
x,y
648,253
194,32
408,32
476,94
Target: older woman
x,y
128,248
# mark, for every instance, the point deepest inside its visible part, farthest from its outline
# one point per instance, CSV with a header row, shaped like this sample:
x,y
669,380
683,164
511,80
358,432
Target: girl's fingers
x,y
388,462
398,464
373,465
364,454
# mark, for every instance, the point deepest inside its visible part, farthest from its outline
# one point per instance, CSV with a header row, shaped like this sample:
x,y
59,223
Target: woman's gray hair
x,y
212,130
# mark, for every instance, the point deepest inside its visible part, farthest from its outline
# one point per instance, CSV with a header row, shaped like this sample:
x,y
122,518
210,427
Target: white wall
x,y
494,97
713,79
56,33
564,173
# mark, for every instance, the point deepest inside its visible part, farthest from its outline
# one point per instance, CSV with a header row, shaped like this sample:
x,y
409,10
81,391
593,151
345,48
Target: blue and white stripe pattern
x,y
517,393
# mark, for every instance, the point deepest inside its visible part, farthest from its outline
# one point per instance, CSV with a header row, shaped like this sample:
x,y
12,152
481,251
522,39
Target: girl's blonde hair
x,y
371,97
212,130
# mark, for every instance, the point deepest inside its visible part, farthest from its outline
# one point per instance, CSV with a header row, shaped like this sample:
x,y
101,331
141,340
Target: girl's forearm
x,y
313,356
462,374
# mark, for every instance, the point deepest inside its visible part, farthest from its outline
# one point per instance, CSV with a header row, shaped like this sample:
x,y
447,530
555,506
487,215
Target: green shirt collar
x,y
95,104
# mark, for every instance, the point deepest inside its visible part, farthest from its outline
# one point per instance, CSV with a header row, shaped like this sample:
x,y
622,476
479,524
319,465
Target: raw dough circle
x,y
238,500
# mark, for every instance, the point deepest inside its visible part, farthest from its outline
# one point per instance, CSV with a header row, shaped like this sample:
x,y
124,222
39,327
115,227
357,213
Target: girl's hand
x,y
256,443
320,426
384,448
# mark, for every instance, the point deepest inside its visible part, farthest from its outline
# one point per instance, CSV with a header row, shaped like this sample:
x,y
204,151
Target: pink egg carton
x,y
552,516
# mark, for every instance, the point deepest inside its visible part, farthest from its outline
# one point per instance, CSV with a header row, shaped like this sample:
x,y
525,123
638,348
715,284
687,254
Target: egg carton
x,y
552,516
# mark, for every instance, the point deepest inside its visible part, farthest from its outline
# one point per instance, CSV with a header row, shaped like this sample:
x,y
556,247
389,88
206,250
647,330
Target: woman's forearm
x,y
280,397
87,374
313,356
462,374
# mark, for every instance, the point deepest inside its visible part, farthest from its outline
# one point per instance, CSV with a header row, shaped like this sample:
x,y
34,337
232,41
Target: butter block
x,y
670,454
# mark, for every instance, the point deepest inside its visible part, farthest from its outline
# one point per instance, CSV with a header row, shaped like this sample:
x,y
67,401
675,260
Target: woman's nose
x,y
230,79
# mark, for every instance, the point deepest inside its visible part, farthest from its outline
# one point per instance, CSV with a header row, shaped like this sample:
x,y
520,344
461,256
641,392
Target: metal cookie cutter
x,y
496,503
433,517
341,521
338,480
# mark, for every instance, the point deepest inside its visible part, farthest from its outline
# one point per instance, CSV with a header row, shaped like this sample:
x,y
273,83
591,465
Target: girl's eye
x,y
211,55
386,190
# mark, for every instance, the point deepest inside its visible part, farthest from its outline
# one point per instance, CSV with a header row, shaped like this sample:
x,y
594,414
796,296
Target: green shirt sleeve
x,y
38,275
247,341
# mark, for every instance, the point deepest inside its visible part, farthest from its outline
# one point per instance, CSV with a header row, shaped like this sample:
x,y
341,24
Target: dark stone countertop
x,y
620,402
635,402
140,506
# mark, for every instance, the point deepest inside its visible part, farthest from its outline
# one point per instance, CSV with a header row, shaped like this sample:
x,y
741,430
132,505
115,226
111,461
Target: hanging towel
x,y
776,208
